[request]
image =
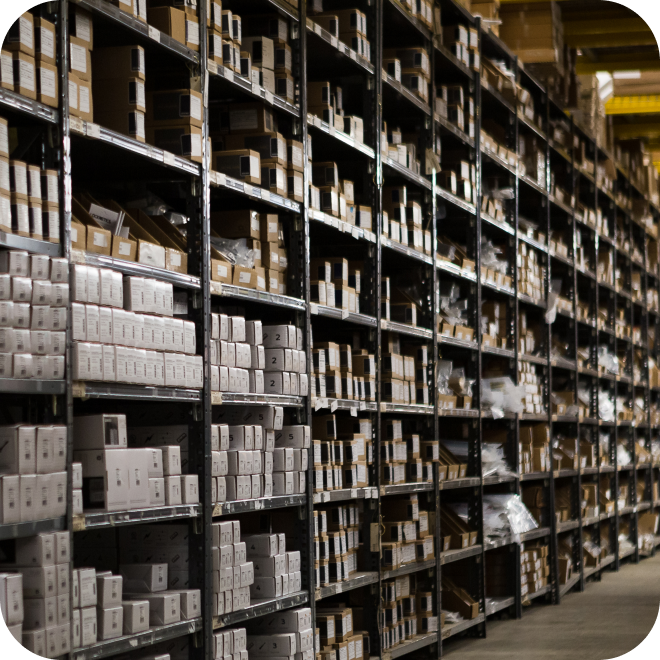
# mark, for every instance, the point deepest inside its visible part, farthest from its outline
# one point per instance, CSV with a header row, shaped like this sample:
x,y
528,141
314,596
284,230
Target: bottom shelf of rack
x,y
139,640
494,605
565,588
410,645
455,628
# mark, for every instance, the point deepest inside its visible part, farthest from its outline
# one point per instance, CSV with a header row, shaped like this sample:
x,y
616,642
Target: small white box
x,y
79,283
136,616
173,490
157,491
190,489
171,457
110,622
88,628
93,285
283,483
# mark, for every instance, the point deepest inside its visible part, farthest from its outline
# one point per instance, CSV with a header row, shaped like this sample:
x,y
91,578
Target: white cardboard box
x,y
136,616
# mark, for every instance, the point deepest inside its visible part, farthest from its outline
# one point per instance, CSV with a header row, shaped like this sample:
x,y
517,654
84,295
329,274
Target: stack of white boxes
x,y
154,477
233,574
230,644
262,459
44,563
249,358
286,634
34,294
336,543
11,606
124,331
276,571
531,381
33,485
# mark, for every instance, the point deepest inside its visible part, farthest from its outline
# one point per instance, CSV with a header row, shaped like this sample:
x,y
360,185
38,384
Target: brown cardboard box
x,y
118,62
251,118
80,61
183,107
182,27
273,177
45,41
47,84
78,235
80,25
237,224
20,37
126,122
185,141
6,70
25,75
242,164
118,95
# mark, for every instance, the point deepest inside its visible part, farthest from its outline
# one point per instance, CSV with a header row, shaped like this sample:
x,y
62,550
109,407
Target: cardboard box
x,y
25,81
176,23
127,122
118,62
174,108
183,141
242,164
20,37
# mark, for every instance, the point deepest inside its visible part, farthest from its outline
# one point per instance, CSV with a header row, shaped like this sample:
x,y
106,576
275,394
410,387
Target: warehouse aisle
x,y
609,619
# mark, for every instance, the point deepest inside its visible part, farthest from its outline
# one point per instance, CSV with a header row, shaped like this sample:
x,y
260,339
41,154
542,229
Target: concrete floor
x,y
608,619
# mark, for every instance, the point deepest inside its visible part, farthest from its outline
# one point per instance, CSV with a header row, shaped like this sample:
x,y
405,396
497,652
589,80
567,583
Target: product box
x,y
243,164
185,141
25,78
174,107
177,24
136,616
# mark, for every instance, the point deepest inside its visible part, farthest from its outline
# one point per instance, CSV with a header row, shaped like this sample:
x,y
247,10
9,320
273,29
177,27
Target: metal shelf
x,y
220,72
410,645
93,520
397,87
565,588
319,403
345,494
357,233
532,476
541,592
32,528
409,330
137,641
453,484
358,580
458,343
98,133
407,173
241,293
359,61
403,489
146,33
134,268
220,398
342,315
456,412
15,242
406,409
498,604
450,556
497,479
31,386
406,251
17,102
454,130
260,504
456,271
117,391
501,542
462,626
415,567
567,526
261,607
344,138
220,181
539,533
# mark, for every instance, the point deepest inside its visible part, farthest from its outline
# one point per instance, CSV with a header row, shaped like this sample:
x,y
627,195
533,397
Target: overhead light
x,y
627,75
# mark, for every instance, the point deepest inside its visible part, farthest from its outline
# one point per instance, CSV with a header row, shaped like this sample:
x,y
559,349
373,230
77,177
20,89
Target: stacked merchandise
x,y
531,164
414,67
124,330
449,250
343,449
458,175
248,250
533,385
339,372
454,389
534,569
33,469
494,267
408,610
336,635
110,476
349,26
402,220
535,448
422,11
531,274
404,458
451,104
247,357
327,105
407,536
590,114
397,303
36,591
402,148
404,371
335,282
453,311
262,460
34,296
336,543
456,533
463,43
535,499
489,10
528,334
29,51
29,196
491,206
180,24
230,643
495,328
565,452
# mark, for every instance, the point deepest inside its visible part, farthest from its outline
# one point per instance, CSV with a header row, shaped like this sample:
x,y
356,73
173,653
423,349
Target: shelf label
x,y
318,404
383,407
356,232
229,74
353,55
344,314
154,33
334,405
93,130
220,179
363,405
326,496
169,159
216,398
269,96
333,41
313,309
354,412
383,324
354,492
213,67
256,89
317,29
247,189
77,125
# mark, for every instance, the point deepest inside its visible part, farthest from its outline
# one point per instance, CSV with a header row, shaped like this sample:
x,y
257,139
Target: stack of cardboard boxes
x,y
34,295
33,468
36,593
534,569
408,536
402,148
403,221
535,448
415,67
343,450
495,314
403,372
115,477
463,43
340,372
535,499
405,458
346,25
533,401
338,541
454,105
230,643
458,176
28,60
326,103
287,634
528,334
531,274
336,282
337,635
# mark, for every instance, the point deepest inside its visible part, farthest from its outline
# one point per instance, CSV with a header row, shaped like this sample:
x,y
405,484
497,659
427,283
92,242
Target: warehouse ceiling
x,y
612,38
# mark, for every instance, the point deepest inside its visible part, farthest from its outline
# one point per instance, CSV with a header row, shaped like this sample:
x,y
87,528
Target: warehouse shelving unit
x,y
318,54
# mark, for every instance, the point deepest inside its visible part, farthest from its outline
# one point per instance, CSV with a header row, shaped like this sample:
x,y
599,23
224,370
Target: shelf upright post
x,y
65,240
199,302
302,241
477,438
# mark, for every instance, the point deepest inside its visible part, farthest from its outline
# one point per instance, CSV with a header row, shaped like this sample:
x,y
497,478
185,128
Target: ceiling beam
x,y
613,40
604,25
633,105
631,131
617,62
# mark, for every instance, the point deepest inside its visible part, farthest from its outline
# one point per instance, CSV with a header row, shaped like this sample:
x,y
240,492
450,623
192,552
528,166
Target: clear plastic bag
x,y
506,515
623,456
445,367
493,461
236,252
500,395
606,406
607,360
